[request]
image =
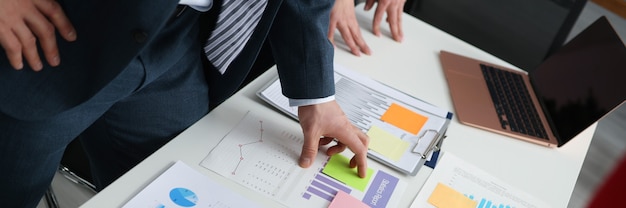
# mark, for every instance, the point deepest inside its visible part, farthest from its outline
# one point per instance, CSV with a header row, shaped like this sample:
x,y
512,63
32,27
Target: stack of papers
x,y
404,131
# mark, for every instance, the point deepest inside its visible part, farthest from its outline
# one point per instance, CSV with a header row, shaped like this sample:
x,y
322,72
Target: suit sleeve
x,y
303,53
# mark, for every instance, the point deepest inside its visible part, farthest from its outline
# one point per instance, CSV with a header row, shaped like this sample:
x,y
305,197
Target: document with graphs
x,y
263,156
404,131
457,183
182,186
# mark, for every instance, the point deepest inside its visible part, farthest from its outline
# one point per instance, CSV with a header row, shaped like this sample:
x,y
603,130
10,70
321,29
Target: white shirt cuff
x,y
303,102
200,5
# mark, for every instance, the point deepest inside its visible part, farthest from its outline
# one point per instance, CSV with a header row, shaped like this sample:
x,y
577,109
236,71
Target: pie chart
x,y
183,197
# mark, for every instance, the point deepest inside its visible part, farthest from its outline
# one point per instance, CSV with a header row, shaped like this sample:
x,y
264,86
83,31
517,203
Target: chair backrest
x,y
521,32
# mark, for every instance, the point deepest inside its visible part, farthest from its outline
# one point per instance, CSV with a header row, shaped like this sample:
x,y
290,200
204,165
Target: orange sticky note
x,y
404,118
446,197
343,199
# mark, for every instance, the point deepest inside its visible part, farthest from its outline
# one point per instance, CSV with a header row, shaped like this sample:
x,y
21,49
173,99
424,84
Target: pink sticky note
x,y
343,199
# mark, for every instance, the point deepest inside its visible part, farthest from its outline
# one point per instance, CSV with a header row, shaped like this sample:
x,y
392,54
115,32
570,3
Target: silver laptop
x,y
573,88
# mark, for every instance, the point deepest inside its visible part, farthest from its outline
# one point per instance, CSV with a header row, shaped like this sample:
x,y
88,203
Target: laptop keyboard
x,y
512,101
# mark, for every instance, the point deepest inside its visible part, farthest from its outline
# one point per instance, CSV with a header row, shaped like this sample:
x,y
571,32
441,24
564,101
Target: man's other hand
x,y
394,10
24,22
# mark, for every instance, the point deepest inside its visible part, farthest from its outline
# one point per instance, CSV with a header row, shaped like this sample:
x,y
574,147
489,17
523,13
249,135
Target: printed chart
x,y
455,181
256,156
182,186
487,203
402,128
261,156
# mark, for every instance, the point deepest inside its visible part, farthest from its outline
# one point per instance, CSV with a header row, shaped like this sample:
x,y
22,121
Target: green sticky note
x,y
386,143
338,167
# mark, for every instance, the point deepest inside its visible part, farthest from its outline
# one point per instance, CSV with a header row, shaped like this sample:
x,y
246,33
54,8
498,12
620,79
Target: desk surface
x,y
411,66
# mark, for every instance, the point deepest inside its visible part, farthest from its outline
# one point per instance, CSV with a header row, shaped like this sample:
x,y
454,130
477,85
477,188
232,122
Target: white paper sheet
x,y
182,186
365,100
263,156
478,185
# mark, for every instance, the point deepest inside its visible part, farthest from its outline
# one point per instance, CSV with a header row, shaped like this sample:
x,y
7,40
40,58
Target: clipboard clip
x,y
432,146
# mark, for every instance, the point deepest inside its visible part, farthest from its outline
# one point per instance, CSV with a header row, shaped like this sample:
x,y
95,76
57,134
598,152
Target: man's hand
x,y
321,123
24,22
394,9
342,17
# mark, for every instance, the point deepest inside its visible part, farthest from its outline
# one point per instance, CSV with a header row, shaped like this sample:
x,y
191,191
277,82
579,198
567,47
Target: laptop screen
x,y
583,80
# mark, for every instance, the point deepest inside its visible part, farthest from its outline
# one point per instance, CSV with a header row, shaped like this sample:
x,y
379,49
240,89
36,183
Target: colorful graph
x,y
324,187
486,203
183,197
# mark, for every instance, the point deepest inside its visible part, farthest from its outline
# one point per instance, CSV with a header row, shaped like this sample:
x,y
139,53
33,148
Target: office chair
x,y
74,167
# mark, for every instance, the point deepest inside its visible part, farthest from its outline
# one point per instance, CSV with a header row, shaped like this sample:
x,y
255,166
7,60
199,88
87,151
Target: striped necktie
x,y
235,25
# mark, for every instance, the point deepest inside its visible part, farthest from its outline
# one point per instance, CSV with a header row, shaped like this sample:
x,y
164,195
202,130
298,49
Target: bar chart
x,y
487,203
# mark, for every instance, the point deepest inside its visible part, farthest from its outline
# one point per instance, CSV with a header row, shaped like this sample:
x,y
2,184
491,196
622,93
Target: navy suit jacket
x,y
302,52
113,32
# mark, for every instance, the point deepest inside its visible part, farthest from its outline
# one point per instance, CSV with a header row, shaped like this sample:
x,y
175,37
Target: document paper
x,y
182,186
263,156
406,122
461,178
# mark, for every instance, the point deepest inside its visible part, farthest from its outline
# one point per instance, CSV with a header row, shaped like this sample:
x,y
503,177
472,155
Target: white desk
x,y
413,67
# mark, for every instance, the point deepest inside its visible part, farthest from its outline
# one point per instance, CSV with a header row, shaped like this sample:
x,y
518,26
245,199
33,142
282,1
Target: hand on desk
x,y
394,9
321,123
23,23
343,18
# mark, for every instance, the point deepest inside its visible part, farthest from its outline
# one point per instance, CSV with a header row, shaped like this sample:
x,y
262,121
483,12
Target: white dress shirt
x,y
200,5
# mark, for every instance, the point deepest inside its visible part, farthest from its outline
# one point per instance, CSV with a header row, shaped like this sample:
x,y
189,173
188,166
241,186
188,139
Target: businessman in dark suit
x,y
127,76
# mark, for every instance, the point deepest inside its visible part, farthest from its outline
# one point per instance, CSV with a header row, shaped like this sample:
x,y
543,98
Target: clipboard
x,y
404,131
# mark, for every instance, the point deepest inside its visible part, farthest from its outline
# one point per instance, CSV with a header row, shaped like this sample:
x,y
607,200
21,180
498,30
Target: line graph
x,y
258,154
241,146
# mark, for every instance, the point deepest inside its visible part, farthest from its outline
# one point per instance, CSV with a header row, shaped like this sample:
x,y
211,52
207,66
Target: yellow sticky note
x,y
338,167
386,143
445,197
404,118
